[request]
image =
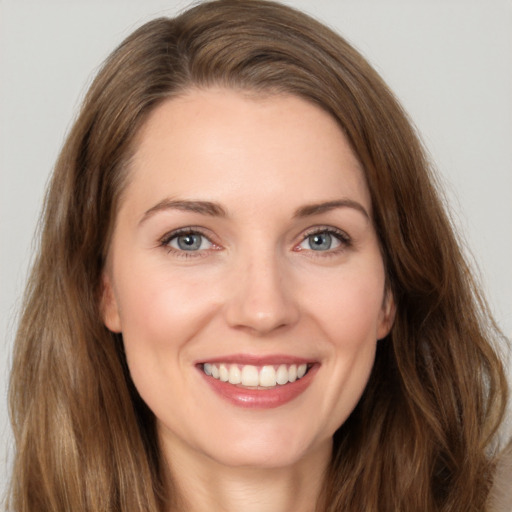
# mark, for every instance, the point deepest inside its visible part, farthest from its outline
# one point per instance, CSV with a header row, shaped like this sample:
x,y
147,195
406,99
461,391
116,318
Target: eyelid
x,y
326,229
188,230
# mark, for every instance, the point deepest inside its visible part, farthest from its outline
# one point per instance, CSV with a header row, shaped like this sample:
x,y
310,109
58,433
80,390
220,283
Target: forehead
x,y
225,143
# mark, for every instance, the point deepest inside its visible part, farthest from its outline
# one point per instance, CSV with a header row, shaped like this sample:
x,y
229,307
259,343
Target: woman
x,y
248,294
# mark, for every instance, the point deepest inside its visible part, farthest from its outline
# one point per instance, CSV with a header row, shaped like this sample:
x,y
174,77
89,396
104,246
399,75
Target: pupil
x,y
320,241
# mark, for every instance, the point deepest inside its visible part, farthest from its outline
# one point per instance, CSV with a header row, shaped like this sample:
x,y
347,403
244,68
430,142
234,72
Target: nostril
x,y
261,317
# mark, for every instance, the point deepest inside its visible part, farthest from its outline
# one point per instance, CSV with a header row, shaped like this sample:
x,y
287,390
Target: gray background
x,y
450,62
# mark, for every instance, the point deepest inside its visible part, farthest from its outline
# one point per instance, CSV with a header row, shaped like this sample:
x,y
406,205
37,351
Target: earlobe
x,y
387,316
109,308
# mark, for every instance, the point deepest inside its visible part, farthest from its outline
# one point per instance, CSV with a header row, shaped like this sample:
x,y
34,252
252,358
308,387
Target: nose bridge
x,y
261,298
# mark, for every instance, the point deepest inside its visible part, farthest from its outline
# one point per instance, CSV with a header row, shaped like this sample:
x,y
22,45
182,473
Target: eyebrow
x,y
216,210
318,208
202,207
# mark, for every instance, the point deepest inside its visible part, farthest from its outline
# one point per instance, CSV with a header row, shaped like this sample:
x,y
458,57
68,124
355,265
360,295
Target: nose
x,y
262,299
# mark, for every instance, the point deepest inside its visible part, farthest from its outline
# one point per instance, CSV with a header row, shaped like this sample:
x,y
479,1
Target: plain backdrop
x,y
450,63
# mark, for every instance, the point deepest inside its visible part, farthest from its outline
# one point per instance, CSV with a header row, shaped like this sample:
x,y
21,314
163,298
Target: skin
x,y
255,286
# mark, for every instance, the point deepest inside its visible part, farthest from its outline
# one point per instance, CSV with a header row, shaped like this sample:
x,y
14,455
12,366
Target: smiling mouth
x,y
256,377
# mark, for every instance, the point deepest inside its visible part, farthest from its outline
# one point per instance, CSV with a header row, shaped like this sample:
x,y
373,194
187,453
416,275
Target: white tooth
x,y
215,371
282,374
267,377
250,375
207,368
301,370
223,373
235,375
292,373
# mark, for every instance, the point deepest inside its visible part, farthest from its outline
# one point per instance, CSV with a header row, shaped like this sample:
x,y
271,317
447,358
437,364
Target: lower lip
x,y
261,398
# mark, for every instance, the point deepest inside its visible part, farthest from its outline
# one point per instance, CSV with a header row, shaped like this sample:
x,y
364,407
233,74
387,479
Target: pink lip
x,y
260,398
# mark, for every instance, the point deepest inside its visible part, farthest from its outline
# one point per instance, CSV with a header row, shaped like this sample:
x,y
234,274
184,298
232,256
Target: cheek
x,y
161,309
350,305
348,314
161,313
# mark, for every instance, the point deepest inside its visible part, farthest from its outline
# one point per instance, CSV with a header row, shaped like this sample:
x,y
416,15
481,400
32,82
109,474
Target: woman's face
x,y
244,256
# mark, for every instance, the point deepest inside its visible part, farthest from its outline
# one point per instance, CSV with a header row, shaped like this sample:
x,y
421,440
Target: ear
x,y
387,315
109,307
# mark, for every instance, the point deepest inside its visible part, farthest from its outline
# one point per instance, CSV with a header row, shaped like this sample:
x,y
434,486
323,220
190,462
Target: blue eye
x,y
189,242
326,240
320,241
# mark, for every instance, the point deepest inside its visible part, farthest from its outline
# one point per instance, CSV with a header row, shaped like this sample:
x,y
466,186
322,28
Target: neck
x,y
204,484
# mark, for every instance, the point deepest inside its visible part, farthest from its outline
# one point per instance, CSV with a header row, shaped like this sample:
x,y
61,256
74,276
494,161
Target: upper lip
x,y
258,360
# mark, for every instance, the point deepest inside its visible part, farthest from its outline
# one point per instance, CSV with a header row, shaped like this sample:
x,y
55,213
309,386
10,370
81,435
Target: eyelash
x,y
342,237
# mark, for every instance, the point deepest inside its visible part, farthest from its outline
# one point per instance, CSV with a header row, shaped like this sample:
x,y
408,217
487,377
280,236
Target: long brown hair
x,y
419,438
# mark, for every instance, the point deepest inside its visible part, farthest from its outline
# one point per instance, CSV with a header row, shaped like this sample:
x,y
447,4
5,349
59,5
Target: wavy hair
x,y
421,435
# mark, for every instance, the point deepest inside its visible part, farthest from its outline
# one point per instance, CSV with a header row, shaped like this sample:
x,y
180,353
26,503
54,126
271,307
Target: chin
x,y
268,449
